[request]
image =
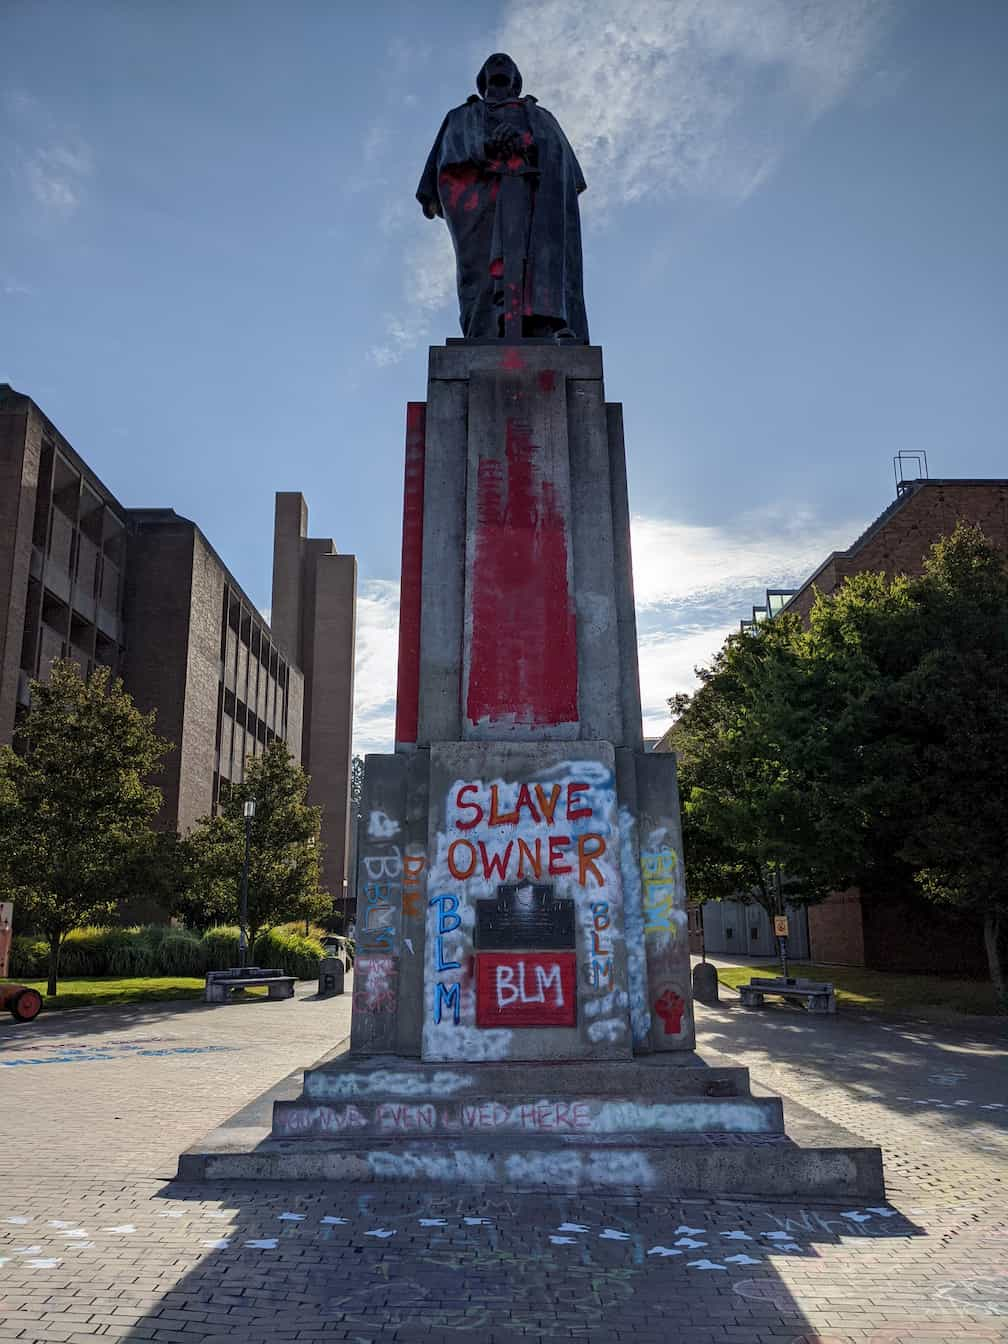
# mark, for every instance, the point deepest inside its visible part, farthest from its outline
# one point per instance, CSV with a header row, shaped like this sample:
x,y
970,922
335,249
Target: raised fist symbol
x,y
670,1008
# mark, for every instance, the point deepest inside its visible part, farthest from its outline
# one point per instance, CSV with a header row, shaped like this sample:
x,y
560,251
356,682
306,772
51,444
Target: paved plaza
x,y
97,1241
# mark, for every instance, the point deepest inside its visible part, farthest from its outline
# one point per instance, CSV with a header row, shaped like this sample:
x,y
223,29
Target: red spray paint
x,y
523,656
408,680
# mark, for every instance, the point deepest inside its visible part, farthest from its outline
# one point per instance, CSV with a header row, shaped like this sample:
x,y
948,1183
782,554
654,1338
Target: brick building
x,y
898,541
143,592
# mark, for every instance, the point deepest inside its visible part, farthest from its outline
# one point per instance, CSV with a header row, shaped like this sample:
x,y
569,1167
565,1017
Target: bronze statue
x,y
506,181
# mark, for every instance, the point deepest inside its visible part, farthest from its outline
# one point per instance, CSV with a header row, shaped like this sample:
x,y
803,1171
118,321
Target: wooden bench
x,y
817,997
220,985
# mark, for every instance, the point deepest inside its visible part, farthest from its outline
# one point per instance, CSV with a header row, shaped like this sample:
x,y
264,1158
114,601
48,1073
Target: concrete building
x,y
199,653
143,592
313,615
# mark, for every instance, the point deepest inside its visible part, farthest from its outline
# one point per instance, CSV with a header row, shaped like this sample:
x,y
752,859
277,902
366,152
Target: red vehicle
x,y
23,1004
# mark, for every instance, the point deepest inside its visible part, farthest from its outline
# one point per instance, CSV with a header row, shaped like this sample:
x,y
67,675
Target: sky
x,y
216,281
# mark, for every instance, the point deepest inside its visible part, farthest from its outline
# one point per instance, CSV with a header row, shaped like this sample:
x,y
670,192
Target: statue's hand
x,y
431,208
505,143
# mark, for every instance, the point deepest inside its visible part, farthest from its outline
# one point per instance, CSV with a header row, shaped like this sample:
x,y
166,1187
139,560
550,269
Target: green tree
x,y
747,822
75,807
909,752
284,851
956,709
869,749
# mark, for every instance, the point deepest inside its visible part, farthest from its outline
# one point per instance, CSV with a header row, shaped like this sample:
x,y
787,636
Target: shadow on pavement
x,y
366,1263
905,1067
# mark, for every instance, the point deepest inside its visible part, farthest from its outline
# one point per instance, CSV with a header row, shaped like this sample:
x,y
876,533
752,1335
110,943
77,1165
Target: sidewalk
x,y
97,1243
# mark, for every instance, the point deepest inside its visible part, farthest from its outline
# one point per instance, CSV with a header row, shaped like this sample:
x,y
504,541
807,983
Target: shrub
x,y
220,948
182,953
290,951
85,952
158,949
29,957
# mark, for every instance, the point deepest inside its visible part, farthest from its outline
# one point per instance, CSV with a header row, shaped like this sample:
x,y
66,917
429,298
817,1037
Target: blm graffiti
x,y
525,918
391,888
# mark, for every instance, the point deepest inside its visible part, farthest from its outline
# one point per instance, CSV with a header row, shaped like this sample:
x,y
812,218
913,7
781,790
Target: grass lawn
x,y
881,991
107,990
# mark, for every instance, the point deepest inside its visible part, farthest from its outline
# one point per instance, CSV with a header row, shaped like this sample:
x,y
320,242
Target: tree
x,y
284,852
956,703
747,825
869,749
75,807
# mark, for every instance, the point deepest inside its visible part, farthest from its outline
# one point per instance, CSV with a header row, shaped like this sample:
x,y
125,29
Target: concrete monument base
x,y
522,1000
665,1124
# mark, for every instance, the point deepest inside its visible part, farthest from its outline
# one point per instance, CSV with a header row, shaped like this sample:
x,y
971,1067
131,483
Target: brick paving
x,y
96,1240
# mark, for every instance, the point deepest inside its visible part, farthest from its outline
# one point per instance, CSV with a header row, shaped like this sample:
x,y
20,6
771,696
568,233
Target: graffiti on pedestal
x,y
660,869
376,984
525,913
380,901
665,922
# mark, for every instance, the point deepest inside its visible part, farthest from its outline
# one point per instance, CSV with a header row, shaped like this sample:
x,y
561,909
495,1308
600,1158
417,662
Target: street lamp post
x,y
248,812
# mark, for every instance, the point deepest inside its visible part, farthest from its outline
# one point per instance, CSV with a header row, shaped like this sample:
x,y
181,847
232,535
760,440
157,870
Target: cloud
x,y
53,161
662,97
696,567
693,585
665,96
14,287
56,175
428,286
375,665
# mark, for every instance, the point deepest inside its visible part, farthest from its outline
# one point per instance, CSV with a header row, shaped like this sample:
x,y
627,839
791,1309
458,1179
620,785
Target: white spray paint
x,y
381,826
633,923
386,1082
458,1166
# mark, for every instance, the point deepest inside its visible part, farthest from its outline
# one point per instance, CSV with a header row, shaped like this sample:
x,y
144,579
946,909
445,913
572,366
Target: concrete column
x,y
629,682
329,717
520,651
20,446
374,1024
290,527
443,567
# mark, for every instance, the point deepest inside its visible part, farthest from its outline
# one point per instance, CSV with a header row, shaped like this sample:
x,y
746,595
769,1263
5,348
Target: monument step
x,y
657,1077
533,1116
707,1165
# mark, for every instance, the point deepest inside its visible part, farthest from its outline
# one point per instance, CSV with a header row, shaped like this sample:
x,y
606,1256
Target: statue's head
x,y
499,79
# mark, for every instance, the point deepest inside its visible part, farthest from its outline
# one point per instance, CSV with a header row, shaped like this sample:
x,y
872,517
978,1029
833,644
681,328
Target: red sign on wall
x,y
526,989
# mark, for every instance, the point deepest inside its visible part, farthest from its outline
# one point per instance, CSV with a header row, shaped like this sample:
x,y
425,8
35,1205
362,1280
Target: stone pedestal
x,y
520,886
522,1009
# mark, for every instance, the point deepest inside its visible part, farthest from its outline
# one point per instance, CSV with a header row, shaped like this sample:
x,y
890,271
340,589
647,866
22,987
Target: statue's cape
x,y
454,183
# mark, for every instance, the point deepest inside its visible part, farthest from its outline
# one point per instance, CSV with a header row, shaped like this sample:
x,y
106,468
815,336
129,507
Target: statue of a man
x,y
506,181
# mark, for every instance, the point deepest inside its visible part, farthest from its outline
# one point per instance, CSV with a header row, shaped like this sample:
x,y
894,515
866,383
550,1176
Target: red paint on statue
x,y
497,268
454,182
408,687
547,381
523,657
512,359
